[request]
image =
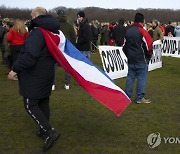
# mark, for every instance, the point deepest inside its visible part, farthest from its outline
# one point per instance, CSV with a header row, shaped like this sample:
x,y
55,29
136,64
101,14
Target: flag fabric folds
x,y
89,76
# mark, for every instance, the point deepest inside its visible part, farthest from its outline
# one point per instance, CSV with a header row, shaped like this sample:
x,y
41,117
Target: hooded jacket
x,y
67,28
35,65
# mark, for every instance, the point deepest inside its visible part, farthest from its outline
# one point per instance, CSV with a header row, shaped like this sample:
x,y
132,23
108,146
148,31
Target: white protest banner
x,y
171,47
156,59
115,62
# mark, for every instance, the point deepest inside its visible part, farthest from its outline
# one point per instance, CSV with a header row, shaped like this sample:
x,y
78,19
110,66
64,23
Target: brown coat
x,y
157,34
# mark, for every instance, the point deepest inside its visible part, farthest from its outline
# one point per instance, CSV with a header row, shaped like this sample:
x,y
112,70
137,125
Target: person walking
x,y
68,30
138,49
35,70
84,34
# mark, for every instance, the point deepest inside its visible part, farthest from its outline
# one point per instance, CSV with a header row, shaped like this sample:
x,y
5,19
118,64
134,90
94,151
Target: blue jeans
x,y
140,72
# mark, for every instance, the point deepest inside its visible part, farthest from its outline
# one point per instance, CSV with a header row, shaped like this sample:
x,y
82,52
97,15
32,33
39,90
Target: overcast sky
x,y
124,4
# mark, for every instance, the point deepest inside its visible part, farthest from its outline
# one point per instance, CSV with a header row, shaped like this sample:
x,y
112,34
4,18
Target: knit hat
x,y
139,18
81,14
61,13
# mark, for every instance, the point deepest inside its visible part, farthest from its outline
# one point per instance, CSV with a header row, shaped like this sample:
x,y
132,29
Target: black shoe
x,y
52,136
41,134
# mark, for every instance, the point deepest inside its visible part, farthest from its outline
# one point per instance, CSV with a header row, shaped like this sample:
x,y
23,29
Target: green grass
x,y
88,127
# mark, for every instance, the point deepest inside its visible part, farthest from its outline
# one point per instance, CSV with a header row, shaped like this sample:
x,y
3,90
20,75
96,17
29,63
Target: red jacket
x,y
15,38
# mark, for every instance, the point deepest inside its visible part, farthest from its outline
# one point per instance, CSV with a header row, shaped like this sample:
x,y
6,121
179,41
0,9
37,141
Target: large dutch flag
x,y
90,77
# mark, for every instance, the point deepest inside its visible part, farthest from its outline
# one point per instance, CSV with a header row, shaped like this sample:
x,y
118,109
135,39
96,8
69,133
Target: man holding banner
x,y
138,49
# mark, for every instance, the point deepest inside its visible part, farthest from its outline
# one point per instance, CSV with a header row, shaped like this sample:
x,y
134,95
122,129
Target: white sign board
x,y
115,61
171,47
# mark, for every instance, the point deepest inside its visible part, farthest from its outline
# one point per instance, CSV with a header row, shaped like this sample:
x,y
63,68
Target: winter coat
x,y
84,36
157,34
16,38
67,29
35,65
119,34
104,34
169,30
94,32
138,45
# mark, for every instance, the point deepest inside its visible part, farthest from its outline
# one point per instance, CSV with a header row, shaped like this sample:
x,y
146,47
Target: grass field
x,y
88,127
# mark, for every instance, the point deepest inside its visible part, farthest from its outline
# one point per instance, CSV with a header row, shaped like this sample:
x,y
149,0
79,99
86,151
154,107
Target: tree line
x,y
101,14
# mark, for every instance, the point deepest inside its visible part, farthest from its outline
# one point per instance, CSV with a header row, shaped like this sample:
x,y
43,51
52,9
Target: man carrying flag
x,y
35,70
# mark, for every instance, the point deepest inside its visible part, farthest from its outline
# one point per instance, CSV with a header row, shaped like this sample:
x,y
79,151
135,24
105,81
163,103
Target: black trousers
x,y
39,110
2,48
15,50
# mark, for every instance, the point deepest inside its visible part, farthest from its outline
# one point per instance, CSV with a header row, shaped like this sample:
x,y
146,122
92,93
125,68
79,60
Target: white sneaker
x,y
53,87
66,87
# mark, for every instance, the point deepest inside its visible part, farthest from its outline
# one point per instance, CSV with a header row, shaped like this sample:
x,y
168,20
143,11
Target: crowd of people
x,y
25,53
104,33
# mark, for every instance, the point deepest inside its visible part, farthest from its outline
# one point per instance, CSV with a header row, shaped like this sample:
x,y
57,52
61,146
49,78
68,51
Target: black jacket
x,y
84,36
35,65
104,34
94,33
138,45
119,34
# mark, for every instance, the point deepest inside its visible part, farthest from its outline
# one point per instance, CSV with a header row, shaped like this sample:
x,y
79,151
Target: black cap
x,y
61,12
81,14
139,18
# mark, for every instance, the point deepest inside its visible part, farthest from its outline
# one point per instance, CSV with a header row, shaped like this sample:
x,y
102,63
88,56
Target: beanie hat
x,y
61,13
139,18
81,14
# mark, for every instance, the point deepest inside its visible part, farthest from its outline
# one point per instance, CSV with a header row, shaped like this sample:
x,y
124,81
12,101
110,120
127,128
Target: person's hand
x,y
12,75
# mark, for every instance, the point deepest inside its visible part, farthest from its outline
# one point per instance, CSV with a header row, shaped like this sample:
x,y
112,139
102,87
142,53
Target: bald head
x,y
38,11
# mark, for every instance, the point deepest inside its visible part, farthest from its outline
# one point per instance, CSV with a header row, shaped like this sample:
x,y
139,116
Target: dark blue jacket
x,y
35,65
138,45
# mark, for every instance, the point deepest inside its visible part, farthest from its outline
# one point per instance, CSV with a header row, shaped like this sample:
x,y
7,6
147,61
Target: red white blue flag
x,y
90,77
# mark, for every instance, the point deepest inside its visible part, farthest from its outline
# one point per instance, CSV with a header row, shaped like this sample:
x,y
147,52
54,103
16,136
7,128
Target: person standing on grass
x,y
35,70
138,49
70,34
119,33
84,34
